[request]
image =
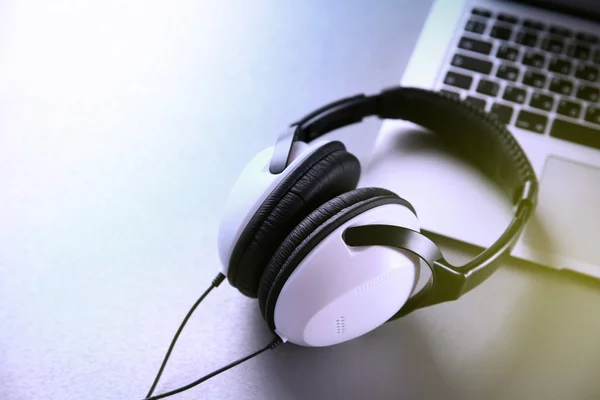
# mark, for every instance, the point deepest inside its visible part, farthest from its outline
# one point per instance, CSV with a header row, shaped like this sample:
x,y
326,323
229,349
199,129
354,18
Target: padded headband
x,y
476,135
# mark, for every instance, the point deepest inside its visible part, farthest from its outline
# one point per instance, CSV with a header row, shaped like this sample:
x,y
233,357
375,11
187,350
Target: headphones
x,y
329,262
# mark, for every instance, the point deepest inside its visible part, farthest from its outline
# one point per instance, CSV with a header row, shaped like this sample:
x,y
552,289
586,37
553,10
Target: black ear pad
x,y
310,232
326,173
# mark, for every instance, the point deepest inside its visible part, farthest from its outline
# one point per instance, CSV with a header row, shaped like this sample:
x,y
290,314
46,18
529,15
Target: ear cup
x,y
326,173
309,232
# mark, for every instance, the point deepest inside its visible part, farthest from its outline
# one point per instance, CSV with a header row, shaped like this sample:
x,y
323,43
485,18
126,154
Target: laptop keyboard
x,y
537,77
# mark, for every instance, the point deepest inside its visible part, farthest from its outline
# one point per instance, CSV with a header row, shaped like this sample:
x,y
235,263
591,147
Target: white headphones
x,y
329,262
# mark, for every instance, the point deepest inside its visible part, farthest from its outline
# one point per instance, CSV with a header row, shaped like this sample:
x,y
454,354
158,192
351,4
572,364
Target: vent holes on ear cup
x,y
340,325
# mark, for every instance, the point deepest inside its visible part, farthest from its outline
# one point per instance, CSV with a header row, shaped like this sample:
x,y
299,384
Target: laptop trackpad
x,y
568,211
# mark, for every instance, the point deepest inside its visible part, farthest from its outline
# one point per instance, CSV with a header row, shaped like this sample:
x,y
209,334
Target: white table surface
x,y
123,126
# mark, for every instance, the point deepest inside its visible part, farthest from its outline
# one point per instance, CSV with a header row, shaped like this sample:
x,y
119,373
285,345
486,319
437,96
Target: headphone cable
x,y
272,344
215,283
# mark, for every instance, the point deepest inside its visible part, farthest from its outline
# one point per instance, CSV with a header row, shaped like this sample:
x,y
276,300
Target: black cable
x,y
216,282
272,344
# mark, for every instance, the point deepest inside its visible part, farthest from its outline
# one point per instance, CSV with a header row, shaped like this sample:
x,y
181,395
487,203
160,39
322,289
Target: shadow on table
x,y
552,340
389,363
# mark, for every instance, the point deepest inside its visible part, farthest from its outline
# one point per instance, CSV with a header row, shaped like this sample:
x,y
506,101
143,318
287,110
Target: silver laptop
x,y
536,66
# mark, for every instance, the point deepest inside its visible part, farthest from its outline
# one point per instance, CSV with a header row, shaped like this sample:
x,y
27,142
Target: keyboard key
x,y
531,121
592,114
562,86
579,51
507,52
534,79
560,31
481,12
479,103
528,23
588,93
575,133
541,101
458,80
450,93
510,19
553,45
533,59
586,37
560,66
569,108
502,112
527,39
514,94
488,88
473,64
501,32
508,73
478,46
587,72
475,27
